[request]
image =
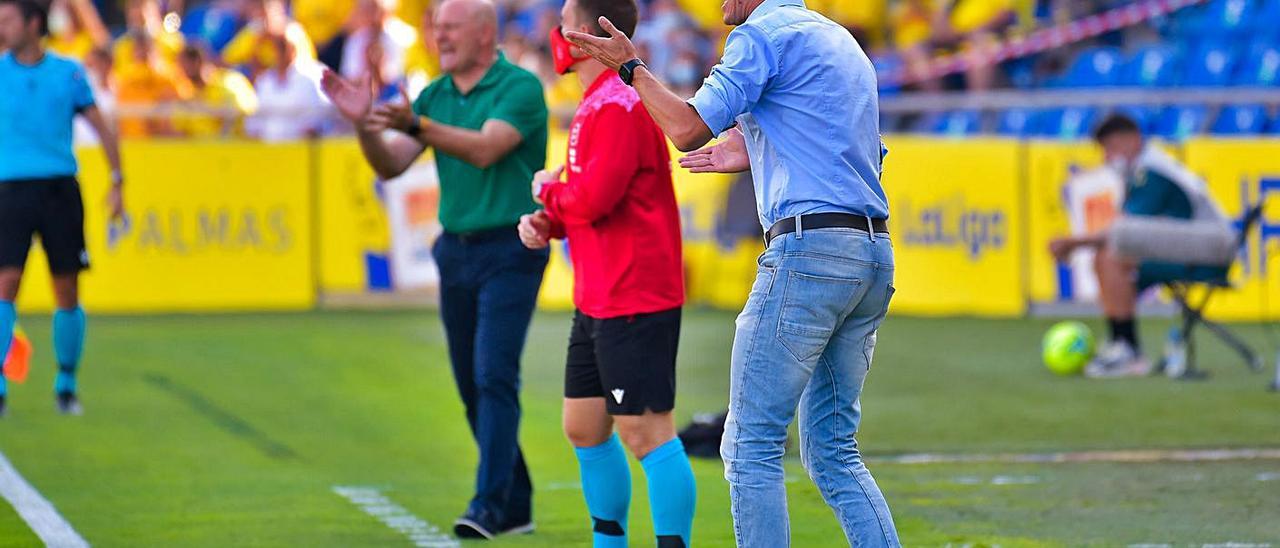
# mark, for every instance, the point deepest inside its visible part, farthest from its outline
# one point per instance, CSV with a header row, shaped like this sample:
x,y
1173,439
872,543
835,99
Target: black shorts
x,y
50,208
629,361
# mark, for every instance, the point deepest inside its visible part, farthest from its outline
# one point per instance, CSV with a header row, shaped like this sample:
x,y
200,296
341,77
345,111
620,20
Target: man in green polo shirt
x,y
487,120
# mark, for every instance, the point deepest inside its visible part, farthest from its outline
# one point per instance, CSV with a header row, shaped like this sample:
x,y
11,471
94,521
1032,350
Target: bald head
x,y
466,34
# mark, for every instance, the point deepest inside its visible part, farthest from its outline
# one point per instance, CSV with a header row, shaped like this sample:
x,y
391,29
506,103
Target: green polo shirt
x,y
471,198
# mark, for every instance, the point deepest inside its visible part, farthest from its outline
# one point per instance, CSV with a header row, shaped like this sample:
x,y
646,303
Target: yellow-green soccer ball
x,y
1068,346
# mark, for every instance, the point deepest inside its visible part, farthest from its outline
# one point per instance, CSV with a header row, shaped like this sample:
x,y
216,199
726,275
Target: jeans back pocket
x,y
812,306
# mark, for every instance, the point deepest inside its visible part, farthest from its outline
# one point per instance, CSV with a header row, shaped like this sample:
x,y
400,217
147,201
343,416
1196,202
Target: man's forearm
x,y
678,120
481,148
387,159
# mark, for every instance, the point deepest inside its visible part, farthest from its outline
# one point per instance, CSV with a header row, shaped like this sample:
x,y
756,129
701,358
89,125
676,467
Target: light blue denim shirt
x,y
804,95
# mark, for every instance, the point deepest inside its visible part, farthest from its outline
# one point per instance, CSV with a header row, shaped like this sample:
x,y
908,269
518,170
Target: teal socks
x,y
8,317
672,493
68,344
606,484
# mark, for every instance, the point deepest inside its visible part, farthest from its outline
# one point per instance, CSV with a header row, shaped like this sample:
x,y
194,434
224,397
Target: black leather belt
x,y
827,220
485,235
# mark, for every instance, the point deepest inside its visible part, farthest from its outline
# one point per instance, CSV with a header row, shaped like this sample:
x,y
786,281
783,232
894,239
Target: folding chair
x,y
1193,316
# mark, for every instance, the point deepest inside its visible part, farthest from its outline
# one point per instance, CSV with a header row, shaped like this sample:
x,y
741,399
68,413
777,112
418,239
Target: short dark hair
x,y
32,9
1114,124
622,13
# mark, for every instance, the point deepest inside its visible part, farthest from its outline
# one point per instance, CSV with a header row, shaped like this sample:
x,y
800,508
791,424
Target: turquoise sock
x,y
68,343
672,493
606,484
8,317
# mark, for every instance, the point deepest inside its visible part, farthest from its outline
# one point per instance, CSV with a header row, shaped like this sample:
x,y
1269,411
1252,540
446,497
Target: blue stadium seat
x,y
1151,66
958,123
1145,116
1224,18
885,64
1177,123
1069,123
1268,11
1210,65
1241,120
1262,65
1094,68
1018,122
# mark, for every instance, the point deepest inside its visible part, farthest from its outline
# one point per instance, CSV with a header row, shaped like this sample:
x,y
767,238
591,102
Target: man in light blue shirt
x,y
803,97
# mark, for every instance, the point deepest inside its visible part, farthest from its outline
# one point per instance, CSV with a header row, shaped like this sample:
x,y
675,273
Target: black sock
x,y
1124,330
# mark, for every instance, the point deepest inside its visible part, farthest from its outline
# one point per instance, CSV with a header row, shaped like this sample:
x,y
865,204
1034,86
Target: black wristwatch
x,y
628,70
415,128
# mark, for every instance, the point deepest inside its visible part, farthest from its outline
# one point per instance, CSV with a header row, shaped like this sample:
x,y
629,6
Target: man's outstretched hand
x,y
727,156
352,99
612,51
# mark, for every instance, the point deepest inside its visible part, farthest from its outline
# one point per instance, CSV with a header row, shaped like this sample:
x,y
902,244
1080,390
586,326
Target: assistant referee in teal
x,y
40,95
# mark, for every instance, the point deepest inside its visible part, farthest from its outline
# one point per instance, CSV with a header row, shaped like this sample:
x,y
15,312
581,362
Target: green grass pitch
x,y
234,430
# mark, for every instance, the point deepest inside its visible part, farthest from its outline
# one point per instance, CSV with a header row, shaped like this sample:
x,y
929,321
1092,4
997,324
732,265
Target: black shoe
x,y
69,404
476,525
2,407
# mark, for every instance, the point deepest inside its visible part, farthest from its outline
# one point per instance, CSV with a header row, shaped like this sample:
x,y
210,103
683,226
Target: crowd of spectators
x,y
250,68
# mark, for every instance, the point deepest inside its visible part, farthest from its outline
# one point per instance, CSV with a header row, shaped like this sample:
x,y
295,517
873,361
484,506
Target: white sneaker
x,y
1116,360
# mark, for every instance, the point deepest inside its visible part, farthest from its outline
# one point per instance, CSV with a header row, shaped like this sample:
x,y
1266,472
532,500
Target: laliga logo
x,y
1269,231
952,223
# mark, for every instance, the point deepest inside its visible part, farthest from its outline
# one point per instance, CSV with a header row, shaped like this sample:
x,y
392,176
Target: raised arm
x,y
523,106
678,119
389,153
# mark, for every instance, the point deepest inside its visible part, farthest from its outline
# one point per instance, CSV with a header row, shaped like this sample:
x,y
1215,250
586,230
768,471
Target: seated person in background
x,y
255,49
1169,229
144,86
925,28
291,106
145,20
220,98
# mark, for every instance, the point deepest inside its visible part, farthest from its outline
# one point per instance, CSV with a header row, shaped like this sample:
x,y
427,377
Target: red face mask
x,y
560,52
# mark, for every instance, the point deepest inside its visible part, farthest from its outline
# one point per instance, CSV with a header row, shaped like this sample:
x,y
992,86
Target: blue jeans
x,y
805,339
488,289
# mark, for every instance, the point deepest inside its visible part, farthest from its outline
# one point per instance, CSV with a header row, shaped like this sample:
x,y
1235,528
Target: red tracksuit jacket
x,y
617,207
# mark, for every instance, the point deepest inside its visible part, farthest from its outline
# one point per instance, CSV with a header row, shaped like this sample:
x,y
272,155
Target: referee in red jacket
x,y
617,208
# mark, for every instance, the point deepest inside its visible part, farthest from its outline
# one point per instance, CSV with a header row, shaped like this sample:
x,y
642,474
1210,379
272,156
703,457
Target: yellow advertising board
x,y
1050,164
956,216
211,227
353,237
1241,173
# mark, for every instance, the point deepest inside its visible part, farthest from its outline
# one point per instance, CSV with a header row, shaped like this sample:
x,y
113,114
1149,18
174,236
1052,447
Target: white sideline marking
x,y
374,503
1139,456
40,515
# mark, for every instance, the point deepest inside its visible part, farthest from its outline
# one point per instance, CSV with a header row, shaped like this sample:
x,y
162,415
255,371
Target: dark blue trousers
x,y
488,288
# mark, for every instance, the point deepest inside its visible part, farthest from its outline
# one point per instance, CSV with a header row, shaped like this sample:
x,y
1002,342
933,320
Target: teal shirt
x,y
471,198
37,106
1153,194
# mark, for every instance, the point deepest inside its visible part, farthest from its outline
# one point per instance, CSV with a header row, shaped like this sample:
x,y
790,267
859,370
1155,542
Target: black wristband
x,y
628,70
